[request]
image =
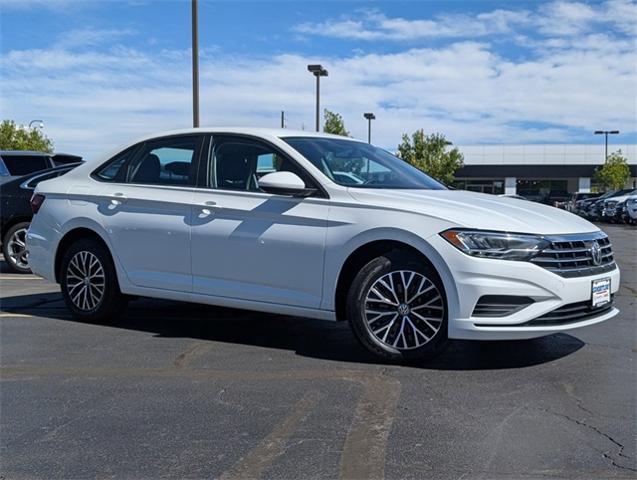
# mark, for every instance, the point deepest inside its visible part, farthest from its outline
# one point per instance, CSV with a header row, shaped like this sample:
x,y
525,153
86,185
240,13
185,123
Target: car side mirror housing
x,y
284,183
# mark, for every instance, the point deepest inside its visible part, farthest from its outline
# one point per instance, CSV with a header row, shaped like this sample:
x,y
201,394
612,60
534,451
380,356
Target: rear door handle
x,y
117,198
208,208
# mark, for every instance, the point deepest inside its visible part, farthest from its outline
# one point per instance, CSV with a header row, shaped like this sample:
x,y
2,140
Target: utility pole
x,y
195,64
606,133
282,119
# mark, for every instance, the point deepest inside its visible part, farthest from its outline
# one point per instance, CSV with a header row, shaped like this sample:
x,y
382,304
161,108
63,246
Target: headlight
x,y
501,245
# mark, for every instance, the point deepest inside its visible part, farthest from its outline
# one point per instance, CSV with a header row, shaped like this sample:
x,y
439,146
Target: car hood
x,y
618,199
478,210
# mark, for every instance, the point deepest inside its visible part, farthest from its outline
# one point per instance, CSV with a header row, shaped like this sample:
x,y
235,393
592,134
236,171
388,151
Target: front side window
x,y
360,165
238,164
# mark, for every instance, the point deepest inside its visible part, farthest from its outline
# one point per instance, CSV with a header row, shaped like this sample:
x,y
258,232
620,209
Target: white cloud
x,y
88,37
373,25
555,18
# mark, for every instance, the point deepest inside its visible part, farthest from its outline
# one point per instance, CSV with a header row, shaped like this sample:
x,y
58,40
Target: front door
x,y
251,245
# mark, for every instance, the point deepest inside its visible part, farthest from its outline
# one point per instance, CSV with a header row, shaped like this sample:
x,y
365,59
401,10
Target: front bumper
x,y
477,277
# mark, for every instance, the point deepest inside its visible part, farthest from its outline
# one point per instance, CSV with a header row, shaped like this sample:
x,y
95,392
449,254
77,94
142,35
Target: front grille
x,y
571,256
571,313
500,305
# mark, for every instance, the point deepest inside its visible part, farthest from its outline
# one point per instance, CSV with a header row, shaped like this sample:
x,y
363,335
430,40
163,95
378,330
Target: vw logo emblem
x,y
596,253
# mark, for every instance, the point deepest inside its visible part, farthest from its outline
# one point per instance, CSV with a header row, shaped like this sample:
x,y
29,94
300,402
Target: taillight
x,y
36,202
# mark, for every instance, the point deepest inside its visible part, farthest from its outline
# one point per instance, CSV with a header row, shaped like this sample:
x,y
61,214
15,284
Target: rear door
x,y
146,210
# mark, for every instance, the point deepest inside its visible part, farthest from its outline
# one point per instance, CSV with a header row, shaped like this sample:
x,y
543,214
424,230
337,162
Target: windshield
x,y
360,165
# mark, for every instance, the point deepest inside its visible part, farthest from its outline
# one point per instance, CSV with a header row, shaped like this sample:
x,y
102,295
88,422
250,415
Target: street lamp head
x,y
369,116
606,132
39,123
317,70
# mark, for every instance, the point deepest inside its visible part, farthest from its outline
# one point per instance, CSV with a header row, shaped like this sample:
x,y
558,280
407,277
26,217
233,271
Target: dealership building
x,y
536,169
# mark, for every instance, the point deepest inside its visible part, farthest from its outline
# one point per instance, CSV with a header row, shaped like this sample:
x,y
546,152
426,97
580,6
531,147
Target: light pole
x,y
318,71
606,133
195,63
369,117
39,122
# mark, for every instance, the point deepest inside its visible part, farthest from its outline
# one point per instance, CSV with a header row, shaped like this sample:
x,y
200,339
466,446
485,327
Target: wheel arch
x,y
71,236
366,251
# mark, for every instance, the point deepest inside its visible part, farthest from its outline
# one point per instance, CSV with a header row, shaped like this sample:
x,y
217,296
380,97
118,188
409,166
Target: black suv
x,y
14,163
16,214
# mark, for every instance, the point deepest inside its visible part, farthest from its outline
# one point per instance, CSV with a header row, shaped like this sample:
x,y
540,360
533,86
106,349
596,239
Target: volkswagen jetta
x,y
271,220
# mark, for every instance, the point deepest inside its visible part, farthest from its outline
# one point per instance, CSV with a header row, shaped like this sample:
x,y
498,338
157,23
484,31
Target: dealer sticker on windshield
x,y
601,291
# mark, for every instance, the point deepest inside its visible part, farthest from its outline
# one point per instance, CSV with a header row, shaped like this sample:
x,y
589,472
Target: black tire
x,y
15,260
362,323
111,303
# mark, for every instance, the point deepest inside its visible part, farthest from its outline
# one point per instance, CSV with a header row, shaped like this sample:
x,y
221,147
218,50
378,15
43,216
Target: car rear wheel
x,y
14,248
89,282
397,308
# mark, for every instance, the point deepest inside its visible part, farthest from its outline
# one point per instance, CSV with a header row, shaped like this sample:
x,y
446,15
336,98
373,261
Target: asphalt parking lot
x,y
186,391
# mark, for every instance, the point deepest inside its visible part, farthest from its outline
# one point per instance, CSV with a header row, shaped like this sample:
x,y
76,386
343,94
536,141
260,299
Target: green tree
x,y
334,123
614,173
16,137
430,154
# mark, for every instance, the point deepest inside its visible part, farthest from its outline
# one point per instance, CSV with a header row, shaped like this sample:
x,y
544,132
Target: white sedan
x,y
264,220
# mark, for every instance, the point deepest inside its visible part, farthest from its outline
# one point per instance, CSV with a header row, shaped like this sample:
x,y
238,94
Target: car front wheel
x,y
397,308
89,282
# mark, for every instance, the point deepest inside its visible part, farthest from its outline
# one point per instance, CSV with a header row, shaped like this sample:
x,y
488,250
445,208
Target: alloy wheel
x,y
17,249
85,280
404,310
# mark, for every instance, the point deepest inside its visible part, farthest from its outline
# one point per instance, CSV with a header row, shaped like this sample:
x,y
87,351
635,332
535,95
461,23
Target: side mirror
x,y
284,183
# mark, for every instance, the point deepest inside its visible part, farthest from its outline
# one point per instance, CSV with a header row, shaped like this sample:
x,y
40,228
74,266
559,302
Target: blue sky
x,y
102,72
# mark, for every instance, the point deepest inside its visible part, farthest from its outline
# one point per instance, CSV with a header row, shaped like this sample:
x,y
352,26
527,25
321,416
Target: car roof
x,y
263,132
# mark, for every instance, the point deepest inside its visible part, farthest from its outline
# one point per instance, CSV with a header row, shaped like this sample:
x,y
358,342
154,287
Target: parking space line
x,y
19,277
365,447
256,461
15,315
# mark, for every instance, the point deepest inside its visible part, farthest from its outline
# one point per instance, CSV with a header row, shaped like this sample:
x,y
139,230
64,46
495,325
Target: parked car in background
x,y
532,195
557,198
16,163
631,209
595,208
188,215
610,206
16,214
573,205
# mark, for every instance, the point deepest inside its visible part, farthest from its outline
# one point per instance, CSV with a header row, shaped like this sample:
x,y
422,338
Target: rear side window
x,y
113,170
25,164
169,161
